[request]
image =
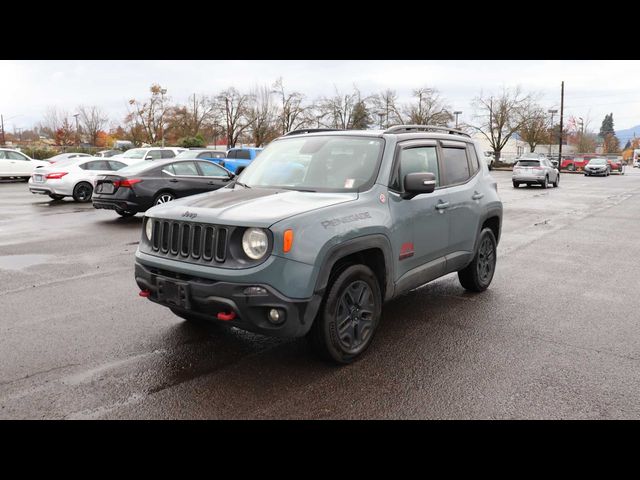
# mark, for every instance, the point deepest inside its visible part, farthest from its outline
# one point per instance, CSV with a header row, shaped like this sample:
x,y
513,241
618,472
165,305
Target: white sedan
x,y
73,177
17,164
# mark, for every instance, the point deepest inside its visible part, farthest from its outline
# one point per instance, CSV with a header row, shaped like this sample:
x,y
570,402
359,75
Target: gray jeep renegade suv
x,y
321,229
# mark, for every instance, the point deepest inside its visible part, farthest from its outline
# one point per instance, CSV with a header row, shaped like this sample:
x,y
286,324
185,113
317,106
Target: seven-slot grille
x,y
183,240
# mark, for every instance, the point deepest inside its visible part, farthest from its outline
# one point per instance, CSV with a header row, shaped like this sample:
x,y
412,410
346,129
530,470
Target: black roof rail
x,y
414,128
311,130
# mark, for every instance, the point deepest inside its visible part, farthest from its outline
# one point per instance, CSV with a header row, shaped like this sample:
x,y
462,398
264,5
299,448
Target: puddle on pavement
x,y
19,262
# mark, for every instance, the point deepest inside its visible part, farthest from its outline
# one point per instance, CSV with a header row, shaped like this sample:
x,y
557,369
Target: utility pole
x,y
552,112
561,118
77,129
2,124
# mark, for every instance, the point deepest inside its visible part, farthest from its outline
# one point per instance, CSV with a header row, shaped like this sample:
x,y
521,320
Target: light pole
x,y
552,112
163,91
380,117
456,114
77,131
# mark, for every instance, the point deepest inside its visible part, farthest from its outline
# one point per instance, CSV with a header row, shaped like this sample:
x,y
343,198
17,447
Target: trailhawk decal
x,y
348,219
406,250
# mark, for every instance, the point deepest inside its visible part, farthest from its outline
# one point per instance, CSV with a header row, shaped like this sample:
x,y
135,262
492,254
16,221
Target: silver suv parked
x,y
535,170
321,229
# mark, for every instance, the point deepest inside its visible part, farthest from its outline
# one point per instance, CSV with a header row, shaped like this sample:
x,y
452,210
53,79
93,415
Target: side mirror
x,y
148,157
417,183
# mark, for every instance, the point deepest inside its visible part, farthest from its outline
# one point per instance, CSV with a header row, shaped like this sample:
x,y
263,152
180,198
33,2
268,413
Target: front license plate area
x,y
173,293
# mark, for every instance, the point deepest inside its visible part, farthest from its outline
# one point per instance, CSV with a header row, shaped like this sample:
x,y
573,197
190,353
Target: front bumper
x,y
595,172
205,298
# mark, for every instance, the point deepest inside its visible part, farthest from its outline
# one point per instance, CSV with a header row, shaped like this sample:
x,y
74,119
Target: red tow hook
x,y
144,293
226,316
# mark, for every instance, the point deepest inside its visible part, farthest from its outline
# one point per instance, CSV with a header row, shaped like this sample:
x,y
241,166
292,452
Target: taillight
x,y
56,175
126,183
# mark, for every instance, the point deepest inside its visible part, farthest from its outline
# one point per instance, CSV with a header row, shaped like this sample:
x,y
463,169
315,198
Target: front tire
x,y
516,184
557,182
477,276
82,192
348,316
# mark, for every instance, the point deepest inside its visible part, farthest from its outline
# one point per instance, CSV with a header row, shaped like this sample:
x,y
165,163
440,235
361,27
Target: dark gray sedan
x,y
597,166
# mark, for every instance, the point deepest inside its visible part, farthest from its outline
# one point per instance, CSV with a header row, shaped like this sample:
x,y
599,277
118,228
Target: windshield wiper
x,y
242,184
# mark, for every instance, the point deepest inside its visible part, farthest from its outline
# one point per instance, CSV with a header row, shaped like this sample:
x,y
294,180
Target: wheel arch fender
x,y
351,247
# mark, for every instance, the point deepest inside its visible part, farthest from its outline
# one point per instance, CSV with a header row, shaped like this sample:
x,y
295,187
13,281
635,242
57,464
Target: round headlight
x,y
255,243
148,228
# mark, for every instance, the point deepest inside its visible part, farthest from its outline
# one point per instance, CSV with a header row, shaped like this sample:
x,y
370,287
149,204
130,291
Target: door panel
x,y
421,224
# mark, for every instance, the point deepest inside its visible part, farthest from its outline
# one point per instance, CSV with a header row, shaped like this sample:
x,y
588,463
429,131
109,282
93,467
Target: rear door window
x,y
167,154
16,156
185,169
116,165
232,154
456,165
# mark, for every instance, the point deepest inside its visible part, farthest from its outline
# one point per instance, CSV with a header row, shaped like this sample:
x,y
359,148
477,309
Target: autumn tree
x,y
65,135
92,120
534,130
498,117
52,120
233,107
579,134
148,116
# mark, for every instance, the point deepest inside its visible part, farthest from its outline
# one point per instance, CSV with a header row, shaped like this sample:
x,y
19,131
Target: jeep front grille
x,y
185,240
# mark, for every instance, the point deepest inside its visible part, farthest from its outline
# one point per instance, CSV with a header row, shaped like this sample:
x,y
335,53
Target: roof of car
x,y
402,131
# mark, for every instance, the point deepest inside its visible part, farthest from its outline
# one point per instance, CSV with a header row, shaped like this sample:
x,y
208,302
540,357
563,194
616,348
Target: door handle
x,y
173,180
477,195
442,206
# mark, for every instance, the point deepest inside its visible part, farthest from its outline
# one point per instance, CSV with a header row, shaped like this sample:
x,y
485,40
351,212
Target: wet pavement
x,y
555,336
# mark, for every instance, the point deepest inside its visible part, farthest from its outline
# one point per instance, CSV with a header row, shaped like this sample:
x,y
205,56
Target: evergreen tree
x,y
607,126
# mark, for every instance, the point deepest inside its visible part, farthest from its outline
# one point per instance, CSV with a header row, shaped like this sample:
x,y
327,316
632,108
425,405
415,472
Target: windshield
x,y
597,161
318,163
134,153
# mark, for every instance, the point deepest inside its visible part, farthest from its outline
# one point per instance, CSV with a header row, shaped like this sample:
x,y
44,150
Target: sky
x,y
592,88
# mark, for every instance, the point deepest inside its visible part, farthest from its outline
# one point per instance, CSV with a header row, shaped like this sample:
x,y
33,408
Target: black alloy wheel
x,y
82,192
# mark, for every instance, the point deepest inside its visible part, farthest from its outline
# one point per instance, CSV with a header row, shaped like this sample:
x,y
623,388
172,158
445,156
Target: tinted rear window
x,y
529,163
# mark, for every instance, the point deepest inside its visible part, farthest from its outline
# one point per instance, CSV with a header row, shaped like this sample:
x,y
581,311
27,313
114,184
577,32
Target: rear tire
x,y
348,316
82,192
163,197
557,182
516,184
477,276
56,197
545,184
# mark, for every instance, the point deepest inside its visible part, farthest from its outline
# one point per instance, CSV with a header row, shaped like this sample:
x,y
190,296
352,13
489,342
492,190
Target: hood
x,y
251,207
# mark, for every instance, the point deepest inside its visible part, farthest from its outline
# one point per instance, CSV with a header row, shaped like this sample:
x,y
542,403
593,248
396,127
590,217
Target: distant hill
x,y
624,135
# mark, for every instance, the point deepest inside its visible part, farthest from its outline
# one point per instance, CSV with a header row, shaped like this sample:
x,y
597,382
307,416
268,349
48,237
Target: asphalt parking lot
x,y
557,335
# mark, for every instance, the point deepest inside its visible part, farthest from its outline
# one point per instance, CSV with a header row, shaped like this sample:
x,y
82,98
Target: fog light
x,y
276,316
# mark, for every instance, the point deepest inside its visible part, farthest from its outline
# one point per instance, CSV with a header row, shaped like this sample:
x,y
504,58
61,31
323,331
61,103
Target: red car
x,y
615,165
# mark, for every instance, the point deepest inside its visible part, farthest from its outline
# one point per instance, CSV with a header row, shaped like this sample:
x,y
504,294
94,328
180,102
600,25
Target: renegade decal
x,y
348,219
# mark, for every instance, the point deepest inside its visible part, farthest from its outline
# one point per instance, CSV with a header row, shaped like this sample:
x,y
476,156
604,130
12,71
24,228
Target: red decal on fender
x,y
406,250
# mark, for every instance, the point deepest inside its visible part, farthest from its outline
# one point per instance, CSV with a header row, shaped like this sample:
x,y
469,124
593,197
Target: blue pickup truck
x,y
238,158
